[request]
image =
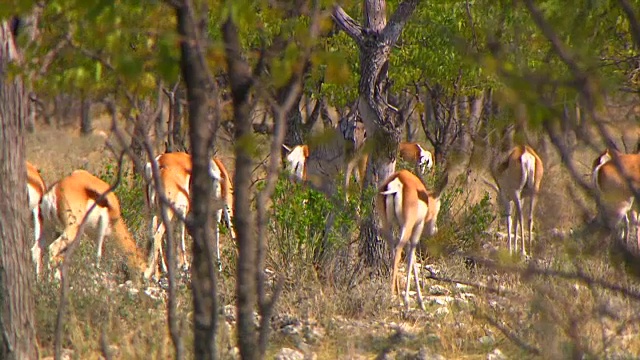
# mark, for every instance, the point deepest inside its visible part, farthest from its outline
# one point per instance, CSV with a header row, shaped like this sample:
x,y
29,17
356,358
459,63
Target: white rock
x,y
442,311
463,287
496,354
440,300
289,354
438,290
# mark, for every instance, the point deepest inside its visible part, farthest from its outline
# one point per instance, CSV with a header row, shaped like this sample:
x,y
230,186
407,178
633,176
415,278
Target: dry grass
x,y
326,313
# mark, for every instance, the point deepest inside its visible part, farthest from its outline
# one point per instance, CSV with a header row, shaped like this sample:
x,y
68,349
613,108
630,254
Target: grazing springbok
x,y
68,201
175,174
415,154
404,201
518,178
35,190
612,186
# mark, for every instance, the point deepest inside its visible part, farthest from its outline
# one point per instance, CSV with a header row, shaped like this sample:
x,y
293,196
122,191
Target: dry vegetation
x,y
573,300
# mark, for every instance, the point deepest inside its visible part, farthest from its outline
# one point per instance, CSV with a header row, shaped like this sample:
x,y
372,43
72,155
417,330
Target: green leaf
x,y
98,71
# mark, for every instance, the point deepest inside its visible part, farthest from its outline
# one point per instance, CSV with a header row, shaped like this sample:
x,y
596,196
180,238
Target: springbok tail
x,y
389,192
528,170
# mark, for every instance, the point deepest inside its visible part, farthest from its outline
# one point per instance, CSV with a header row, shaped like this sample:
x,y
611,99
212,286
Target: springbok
x,y
297,162
341,150
415,154
175,174
35,190
68,201
404,201
612,185
517,178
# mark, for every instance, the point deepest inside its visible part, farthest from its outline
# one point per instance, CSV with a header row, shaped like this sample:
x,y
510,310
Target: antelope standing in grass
x,y
35,190
615,187
518,178
404,201
175,174
415,154
68,201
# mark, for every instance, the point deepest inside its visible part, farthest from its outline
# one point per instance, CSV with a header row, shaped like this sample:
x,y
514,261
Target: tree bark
x,y
295,130
86,125
375,40
176,132
203,271
241,81
17,320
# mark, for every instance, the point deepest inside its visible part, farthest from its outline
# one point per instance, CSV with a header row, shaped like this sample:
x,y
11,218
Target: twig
x,y
511,335
532,269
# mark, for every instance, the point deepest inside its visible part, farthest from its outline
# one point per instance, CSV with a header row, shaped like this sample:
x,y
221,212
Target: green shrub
x,y
461,223
306,226
131,195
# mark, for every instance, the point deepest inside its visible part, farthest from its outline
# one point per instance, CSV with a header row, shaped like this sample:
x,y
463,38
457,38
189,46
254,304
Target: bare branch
x,y
48,58
633,20
392,31
472,25
511,335
93,55
553,38
347,24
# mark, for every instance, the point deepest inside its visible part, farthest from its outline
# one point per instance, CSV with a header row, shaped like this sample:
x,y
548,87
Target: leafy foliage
x,y
130,192
462,225
307,226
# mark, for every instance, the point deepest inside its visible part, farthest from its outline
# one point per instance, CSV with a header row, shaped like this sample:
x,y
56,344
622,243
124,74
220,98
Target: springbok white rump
x,y
612,186
517,178
297,162
175,174
414,153
68,201
404,201
35,190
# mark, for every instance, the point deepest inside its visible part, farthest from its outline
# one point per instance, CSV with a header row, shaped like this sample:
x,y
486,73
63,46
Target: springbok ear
x,y
286,147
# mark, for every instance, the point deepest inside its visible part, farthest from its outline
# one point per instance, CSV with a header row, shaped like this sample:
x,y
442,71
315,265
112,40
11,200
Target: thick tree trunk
x,y
382,128
203,271
17,320
475,116
295,134
375,39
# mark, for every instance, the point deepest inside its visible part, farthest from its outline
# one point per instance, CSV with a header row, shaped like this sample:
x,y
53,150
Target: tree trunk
x,y
176,132
383,124
158,127
475,116
169,145
203,271
240,80
141,128
295,130
86,125
17,320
